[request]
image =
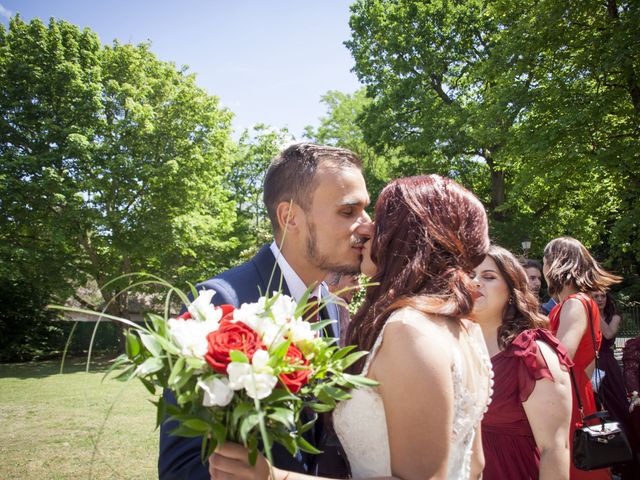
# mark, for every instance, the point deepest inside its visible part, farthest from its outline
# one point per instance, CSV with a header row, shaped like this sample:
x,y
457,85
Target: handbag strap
x,y
573,379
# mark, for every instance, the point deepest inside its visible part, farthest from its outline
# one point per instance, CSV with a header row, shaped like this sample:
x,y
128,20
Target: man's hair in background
x,y
292,174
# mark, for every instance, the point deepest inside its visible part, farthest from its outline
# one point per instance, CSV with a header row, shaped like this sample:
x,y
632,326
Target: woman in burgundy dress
x,y
631,366
571,272
526,429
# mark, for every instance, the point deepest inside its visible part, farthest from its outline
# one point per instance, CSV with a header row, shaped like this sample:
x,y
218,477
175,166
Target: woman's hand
x,y
230,461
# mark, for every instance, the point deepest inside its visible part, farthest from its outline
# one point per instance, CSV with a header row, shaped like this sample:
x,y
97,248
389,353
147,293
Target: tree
x,y
535,101
341,127
112,162
251,158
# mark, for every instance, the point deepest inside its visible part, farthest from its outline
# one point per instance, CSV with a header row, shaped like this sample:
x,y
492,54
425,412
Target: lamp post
x,y
526,245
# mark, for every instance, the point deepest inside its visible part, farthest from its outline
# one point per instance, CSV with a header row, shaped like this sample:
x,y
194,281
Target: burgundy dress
x,y
631,363
509,446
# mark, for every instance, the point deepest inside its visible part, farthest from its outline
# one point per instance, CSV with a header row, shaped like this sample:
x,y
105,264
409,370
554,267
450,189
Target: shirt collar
x,y
294,282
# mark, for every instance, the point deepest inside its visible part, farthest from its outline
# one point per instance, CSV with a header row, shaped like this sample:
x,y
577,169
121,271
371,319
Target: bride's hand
x,y
230,461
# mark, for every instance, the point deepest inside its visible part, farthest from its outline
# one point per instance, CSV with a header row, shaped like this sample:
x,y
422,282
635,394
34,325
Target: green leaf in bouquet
x,y
282,415
239,411
343,352
238,356
207,447
252,446
195,363
167,345
279,352
321,407
303,307
306,446
279,395
117,363
324,397
149,385
184,431
309,425
151,344
351,359
247,424
132,345
161,411
150,365
360,380
316,326
126,374
336,393
158,322
197,424
286,439
176,372
219,432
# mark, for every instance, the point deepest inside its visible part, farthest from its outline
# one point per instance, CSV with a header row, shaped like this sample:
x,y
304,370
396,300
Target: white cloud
x,y
5,12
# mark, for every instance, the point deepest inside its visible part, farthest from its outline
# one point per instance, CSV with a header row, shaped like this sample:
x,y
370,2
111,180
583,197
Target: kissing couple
x,y
434,373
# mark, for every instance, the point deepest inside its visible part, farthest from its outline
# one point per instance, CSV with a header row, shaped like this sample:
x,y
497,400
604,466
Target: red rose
x,y
227,311
296,379
230,336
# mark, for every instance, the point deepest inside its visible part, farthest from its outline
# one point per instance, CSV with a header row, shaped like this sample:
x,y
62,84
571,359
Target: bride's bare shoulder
x,y
414,342
417,334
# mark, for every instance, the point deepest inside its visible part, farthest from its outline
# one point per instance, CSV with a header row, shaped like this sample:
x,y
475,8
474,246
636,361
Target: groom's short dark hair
x,y
291,175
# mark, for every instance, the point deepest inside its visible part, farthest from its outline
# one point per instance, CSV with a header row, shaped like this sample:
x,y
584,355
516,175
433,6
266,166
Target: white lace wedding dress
x,y
361,425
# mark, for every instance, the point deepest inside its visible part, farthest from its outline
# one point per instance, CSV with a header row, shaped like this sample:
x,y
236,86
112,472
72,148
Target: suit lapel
x,y
271,278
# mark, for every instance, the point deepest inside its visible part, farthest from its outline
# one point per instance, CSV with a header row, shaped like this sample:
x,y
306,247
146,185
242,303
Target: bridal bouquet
x,y
242,374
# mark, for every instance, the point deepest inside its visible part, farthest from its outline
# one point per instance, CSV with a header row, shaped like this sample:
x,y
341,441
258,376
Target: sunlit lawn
x,y
50,422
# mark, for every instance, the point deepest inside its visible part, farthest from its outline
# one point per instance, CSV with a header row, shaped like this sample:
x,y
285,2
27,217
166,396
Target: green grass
x,y
50,422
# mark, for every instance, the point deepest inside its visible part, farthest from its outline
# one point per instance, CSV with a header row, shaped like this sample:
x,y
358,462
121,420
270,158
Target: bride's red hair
x,y
430,233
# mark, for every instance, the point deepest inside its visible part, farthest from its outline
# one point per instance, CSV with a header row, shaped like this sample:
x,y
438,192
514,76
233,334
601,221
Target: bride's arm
x,y
413,367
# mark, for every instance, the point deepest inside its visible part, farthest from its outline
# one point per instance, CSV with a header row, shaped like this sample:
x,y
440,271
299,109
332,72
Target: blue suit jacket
x,y
179,456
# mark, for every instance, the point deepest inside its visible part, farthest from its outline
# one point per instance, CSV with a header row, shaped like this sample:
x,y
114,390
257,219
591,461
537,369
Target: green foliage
x,y
112,162
533,105
251,157
26,329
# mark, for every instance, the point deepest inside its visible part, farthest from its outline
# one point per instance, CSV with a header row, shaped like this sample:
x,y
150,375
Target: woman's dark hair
x,y
521,311
569,262
531,263
430,233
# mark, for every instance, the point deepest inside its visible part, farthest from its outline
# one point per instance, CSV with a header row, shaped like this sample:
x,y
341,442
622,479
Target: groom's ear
x,y
289,216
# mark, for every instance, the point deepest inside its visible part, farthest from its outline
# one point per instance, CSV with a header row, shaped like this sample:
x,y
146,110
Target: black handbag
x,y
601,444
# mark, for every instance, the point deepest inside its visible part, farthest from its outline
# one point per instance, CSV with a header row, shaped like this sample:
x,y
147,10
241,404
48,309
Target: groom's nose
x,y
366,229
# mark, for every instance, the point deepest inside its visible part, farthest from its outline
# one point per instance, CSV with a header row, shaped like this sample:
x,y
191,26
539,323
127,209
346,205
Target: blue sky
x,y
269,61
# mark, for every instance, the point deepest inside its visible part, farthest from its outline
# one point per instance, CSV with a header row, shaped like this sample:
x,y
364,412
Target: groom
x,y
316,198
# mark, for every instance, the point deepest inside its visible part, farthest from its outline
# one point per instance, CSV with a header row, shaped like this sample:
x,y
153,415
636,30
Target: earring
x,y
510,300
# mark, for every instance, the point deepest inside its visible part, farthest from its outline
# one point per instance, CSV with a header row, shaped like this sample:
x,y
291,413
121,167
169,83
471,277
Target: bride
x,y
423,420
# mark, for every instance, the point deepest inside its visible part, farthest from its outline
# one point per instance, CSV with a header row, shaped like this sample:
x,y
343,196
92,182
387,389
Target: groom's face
x,y
337,224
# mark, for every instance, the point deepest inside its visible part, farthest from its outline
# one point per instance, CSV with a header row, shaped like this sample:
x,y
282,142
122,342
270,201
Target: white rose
x,y
256,379
201,308
250,313
216,392
300,331
190,336
283,309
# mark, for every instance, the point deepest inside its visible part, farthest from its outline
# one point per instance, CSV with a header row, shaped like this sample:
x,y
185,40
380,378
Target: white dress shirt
x,y
294,282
